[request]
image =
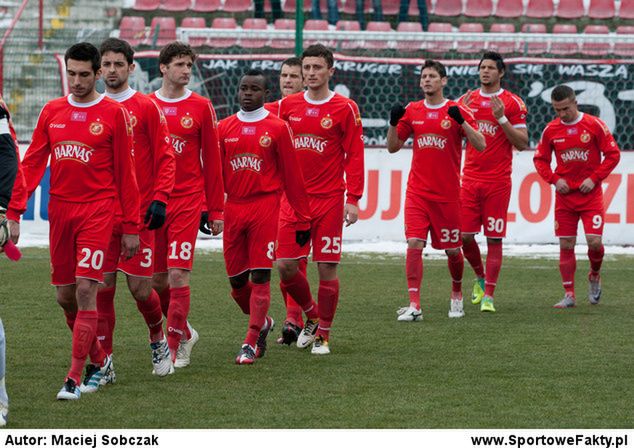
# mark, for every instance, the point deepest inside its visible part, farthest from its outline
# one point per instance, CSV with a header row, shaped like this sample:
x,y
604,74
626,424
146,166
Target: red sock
x,y
177,317
84,332
151,311
414,271
71,316
96,353
567,267
456,268
259,304
494,264
328,297
293,310
164,297
106,318
242,296
299,289
596,259
471,252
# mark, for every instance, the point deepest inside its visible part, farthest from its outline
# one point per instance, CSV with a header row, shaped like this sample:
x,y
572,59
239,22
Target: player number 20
x,y
92,260
495,225
185,252
331,245
449,235
597,221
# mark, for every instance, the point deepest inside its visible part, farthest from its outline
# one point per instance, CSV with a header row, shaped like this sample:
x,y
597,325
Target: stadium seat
x,y
283,24
413,8
132,29
316,25
195,22
378,44
540,9
533,47
350,7
254,24
564,48
595,48
478,8
223,23
237,5
509,9
626,10
410,27
175,5
166,30
601,9
470,46
390,7
505,46
438,46
570,9
448,8
349,25
146,5
206,5
624,49
290,5
323,6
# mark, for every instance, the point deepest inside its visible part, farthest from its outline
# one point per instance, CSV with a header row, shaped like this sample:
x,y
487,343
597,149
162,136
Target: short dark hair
x,y
84,51
436,65
176,49
496,57
293,62
117,46
562,92
319,51
257,72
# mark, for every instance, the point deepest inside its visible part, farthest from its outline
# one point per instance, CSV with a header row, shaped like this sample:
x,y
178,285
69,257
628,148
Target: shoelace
x,y
248,352
158,352
91,371
310,327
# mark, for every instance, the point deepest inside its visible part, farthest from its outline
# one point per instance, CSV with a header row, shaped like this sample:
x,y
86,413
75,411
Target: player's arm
x,y
354,163
542,159
611,156
515,127
37,155
212,170
465,119
8,161
292,174
394,142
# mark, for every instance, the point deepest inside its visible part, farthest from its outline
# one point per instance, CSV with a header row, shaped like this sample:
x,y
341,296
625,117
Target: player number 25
x,y
331,246
449,235
92,260
185,253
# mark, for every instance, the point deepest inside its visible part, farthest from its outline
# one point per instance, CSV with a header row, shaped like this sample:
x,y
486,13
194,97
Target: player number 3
x,y
91,260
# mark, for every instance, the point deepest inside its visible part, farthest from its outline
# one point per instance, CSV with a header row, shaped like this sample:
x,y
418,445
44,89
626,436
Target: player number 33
x,y
449,235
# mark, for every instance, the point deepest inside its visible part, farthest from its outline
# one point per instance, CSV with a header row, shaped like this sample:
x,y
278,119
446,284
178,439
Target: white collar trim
x,y
489,95
252,116
318,102
187,94
577,120
122,96
74,103
435,106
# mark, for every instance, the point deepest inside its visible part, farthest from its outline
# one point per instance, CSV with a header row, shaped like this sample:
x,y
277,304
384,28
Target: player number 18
x,y
185,253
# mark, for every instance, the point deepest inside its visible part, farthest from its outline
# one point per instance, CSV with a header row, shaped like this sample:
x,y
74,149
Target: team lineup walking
x,y
277,180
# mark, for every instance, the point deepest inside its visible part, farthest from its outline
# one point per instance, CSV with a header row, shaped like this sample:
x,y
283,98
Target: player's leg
x,y
107,290
455,263
178,311
4,398
593,221
471,210
260,323
293,323
566,221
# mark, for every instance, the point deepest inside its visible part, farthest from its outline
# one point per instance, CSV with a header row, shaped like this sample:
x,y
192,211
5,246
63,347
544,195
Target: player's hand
x,y
497,107
14,231
4,113
396,113
467,99
587,186
454,112
350,214
561,186
217,226
155,215
302,237
4,229
129,245
204,223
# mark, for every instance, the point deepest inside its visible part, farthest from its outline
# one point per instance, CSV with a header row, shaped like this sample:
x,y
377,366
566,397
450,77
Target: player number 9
x,y
449,236
597,221
93,260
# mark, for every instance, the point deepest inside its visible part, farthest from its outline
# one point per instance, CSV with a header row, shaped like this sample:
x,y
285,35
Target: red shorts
x,y
175,241
78,239
569,208
141,265
442,219
325,230
249,236
485,204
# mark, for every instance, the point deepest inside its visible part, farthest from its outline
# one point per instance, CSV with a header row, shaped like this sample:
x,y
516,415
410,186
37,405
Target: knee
x,y
287,268
260,276
239,281
414,243
67,301
141,292
327,271
85,293
595,244
109,281
452,252
567,243
159,282
468,238
178,278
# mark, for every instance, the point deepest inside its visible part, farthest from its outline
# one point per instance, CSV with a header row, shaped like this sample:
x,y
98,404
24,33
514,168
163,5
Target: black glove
x,y
302,237
396,114
204,223
155,215
454,112
4,113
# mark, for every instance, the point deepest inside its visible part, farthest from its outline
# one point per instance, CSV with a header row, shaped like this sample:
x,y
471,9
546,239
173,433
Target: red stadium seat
x,y
448,8
283,24
323,5
410,27
438,46
478,8
390,7
316,25
237,5
146,5
595,48
413,8
254,24
534,47
132,30
290,5
166,30
505,46
626,10
509,9
223,23
195,22
540,9
570,9
206,5
564,48
601,9
623,49
350,7
349,25
470,46
378,44
175,5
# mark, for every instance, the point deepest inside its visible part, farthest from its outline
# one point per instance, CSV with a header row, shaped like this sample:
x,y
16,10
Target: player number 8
x,y
91,259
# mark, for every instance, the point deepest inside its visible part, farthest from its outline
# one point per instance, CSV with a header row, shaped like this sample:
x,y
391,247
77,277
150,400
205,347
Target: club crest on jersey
x,y
585,137
326,122
433,141
187,121
247,161
133,120
71,150
96,128
265,141
445,124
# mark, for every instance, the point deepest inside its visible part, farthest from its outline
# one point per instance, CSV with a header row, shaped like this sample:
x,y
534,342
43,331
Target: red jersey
x,y
17,204
153,152
259,158
329,141
435,172
496,161
578,148
273,107
192,124
90,147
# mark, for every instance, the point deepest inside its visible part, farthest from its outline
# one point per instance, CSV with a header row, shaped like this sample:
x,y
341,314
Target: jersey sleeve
x,y
543,157
403,127
124,172
292,174
354,149
516,112
8,163
212,166
17,204
164,158
468,118
611,153
38,153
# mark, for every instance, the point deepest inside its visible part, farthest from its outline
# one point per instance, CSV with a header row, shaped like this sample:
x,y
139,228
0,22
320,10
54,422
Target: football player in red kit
x,y
259,162
586,153
432,201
